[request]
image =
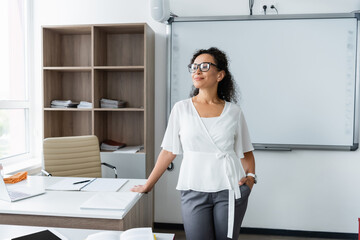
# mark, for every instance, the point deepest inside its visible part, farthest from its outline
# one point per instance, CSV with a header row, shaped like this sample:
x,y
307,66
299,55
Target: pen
x,y
81,182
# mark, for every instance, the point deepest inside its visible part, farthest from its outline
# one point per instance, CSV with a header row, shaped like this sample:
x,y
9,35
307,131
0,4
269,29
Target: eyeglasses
x,y
204,67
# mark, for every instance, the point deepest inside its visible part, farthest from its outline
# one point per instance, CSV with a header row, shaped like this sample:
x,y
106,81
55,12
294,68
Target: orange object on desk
x,y
16,177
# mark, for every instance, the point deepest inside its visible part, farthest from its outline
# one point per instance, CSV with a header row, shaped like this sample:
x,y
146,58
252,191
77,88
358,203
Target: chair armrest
x,y
46,173
111,166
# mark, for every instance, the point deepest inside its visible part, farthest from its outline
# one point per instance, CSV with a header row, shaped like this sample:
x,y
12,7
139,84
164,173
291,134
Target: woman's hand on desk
x,y
164,159
140,189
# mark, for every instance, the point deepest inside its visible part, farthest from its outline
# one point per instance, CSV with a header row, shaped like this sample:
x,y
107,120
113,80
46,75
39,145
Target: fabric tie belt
x,y
234,192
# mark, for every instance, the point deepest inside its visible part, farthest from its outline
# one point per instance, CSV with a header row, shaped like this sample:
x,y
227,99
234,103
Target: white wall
x,y
298,190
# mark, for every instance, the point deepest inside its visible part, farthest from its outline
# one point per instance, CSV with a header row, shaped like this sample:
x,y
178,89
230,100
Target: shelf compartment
x,y
67,123
119,85
67,46
119,45
126,127
66,85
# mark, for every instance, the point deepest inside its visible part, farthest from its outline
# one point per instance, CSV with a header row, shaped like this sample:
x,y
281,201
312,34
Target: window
x,y
14,100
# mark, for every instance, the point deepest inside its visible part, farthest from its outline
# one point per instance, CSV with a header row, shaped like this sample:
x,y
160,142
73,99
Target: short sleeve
x,y
242,139
171,141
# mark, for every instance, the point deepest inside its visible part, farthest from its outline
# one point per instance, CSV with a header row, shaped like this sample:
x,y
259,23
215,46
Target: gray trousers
x,y
205,215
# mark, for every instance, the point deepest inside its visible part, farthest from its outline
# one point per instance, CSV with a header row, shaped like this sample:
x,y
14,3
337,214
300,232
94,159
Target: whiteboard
x,y
296,77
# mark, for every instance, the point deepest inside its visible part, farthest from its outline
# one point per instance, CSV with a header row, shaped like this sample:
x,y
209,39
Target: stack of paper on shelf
x,y
109,103
111,145
84,104
130,149
63,104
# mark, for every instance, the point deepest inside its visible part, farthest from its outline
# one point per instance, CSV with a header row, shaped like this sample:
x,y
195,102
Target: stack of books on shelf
x,y
84,104
63,104
111,145
109,103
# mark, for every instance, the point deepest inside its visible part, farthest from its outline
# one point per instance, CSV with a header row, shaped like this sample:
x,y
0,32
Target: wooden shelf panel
x,y
67,46
126,127
67,123
70,30
69,109
121,68
67,85
119,109
68,69
97,109
114,46
129,28
119,85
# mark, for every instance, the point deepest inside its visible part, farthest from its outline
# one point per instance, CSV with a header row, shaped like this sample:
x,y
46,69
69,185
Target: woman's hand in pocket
x,y
249,181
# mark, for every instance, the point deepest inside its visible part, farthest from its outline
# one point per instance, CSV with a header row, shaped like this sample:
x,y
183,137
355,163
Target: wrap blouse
x,y
211,157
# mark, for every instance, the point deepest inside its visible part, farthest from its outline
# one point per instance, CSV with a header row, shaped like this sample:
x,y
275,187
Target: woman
x,y
218,167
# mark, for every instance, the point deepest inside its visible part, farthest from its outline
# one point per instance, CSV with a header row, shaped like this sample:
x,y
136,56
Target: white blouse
x,y
211,157
209,122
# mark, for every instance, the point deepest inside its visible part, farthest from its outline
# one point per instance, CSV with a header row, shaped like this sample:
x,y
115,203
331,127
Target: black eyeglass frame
x,y
198,66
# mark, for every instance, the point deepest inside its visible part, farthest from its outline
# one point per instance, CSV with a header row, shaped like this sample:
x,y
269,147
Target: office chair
x,y
73,156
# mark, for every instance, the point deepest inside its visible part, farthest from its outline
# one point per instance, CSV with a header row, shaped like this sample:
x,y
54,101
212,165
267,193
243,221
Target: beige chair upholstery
x,y
72,156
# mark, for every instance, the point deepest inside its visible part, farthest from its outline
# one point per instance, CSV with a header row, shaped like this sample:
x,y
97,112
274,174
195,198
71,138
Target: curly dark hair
x,y
227,89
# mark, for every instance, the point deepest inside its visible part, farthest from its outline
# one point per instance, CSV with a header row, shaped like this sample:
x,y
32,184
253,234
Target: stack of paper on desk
x,y
131,234
111,201
137,233
91,184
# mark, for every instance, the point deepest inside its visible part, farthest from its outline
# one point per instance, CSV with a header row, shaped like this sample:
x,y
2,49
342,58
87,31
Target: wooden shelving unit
x,y
90,62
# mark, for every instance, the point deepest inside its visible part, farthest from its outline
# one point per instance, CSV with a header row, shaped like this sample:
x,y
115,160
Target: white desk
x,y
10,231
62,209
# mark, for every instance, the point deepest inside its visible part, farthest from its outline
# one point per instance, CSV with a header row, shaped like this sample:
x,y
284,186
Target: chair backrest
x,y
72,156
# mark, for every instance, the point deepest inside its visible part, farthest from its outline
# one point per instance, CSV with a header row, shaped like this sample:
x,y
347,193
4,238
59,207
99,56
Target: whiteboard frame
x,y
278,147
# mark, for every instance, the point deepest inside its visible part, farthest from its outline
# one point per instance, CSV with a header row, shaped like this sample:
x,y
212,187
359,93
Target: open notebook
x,y
131,234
